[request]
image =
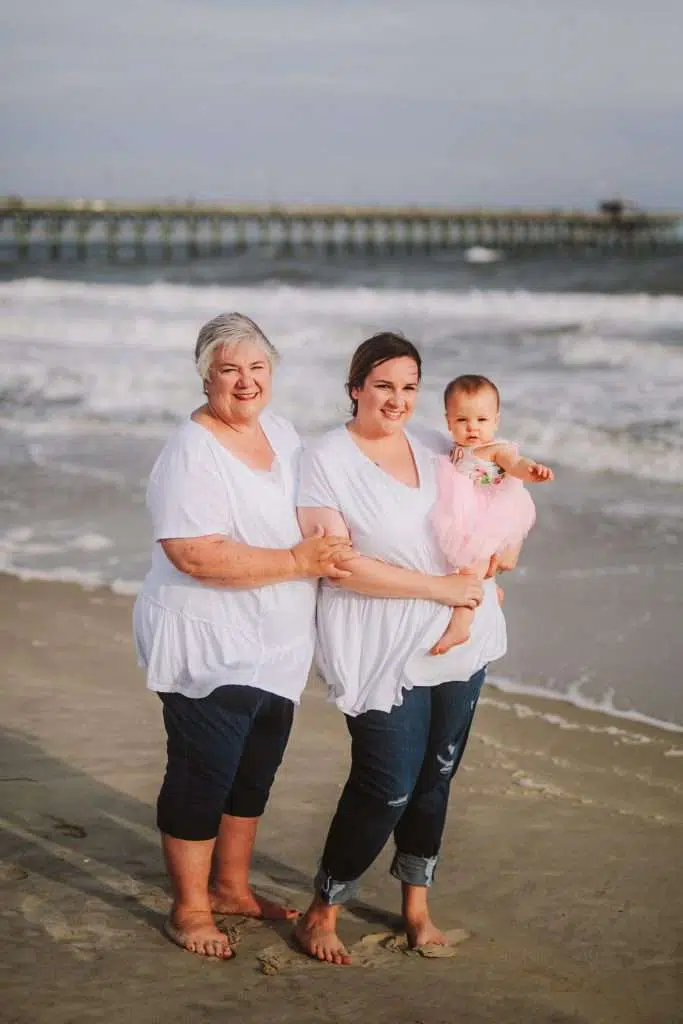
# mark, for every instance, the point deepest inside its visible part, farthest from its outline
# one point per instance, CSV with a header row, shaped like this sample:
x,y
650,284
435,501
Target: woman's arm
x,y
374,578
217,560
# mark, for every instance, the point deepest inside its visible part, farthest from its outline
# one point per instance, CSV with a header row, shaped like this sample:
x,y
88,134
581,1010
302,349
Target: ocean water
x,y
96,369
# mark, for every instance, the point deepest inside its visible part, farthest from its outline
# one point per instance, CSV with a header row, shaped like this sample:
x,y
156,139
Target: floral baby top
x,y
479,469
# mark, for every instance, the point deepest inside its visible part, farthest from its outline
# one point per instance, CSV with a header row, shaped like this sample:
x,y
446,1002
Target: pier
x,y
79,229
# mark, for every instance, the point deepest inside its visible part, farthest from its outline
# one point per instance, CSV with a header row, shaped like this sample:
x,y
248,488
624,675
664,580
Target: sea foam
x,y
593,382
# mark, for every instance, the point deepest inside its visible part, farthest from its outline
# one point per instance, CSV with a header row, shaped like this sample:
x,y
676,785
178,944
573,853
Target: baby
x,y
483,507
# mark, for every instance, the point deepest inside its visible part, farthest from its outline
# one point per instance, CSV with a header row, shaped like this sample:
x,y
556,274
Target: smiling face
x,y
387,396
240,383
473,419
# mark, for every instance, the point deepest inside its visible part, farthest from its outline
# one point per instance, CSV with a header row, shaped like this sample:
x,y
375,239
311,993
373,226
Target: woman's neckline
x,y
259,470
410,487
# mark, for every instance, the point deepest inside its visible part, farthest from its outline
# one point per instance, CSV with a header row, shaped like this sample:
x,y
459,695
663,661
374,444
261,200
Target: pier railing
x,y
76,228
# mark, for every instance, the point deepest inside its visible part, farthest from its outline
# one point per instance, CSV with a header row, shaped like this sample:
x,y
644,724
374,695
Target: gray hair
x,y
223,331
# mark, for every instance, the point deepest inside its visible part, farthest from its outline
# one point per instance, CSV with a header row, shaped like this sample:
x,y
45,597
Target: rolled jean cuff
x,y
332,892
413,870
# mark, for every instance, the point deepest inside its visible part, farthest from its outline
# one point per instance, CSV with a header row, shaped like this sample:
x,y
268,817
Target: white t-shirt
x,y
370,649
192,637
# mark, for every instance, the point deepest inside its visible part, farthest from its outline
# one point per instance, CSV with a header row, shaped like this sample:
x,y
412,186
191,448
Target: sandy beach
x,y
561,861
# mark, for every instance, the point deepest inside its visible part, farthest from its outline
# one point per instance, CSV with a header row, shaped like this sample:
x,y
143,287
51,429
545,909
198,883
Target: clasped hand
x,y
463,589
323,555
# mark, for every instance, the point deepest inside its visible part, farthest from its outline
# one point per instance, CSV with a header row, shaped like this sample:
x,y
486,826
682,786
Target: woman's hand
x,y
503,562
460,590
322,555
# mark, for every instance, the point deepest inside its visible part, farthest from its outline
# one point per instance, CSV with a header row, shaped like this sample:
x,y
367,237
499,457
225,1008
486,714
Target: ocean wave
x,y
601,450
591,350
22,542
573,695
552,308
592,382
563,443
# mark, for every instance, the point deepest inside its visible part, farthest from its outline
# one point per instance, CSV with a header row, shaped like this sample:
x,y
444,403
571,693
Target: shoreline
x,y
498,680
513,690
558,861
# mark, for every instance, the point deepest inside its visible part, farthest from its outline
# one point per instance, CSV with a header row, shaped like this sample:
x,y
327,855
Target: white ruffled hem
x,y
393,655
193,657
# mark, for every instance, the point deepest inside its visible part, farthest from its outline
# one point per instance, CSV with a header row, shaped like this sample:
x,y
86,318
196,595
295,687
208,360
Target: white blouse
x,y
369,649
191,636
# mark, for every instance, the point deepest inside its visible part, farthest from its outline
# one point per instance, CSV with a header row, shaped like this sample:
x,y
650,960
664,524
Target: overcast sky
x,y
535,102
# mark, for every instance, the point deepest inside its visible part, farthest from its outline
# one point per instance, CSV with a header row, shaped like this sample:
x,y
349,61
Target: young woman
x,y
374,480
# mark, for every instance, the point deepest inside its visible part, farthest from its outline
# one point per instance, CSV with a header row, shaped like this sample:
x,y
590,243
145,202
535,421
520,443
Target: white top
x,y
369,648
192,637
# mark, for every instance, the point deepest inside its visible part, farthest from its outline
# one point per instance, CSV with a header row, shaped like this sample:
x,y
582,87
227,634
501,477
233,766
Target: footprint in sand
x,y
66,828
391,942
373,950
233,932
272,960
11,872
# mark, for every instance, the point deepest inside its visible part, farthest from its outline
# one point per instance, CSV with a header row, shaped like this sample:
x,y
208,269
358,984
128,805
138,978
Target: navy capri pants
x,y
223,752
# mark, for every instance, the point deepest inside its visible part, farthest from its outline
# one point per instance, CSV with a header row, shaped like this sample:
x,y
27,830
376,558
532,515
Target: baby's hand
x,y
539,473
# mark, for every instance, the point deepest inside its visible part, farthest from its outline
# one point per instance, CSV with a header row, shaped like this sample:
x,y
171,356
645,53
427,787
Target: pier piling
x,y
115,231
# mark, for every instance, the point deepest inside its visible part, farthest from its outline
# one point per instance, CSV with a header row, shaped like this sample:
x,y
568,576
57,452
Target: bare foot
x,y
196,932
457,631
423,932
447,641
316,935
248,904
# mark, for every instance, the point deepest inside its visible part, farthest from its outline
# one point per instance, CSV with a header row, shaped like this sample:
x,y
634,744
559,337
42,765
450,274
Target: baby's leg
x,y
457,631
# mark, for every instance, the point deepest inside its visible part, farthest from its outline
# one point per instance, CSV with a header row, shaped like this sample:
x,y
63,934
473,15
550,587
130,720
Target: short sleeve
x,y
315,488
185,495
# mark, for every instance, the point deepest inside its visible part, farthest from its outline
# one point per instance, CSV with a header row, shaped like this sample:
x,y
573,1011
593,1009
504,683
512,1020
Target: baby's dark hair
x,y
469,384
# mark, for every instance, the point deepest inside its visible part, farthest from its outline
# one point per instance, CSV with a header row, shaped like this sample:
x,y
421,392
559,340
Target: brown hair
x,y
469,384
374,351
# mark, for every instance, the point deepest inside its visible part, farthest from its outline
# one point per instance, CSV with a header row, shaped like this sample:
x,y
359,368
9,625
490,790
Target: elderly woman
x,y
224,625
408,713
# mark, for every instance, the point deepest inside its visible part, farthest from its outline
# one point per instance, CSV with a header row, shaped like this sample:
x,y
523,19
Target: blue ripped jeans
x,y
402,763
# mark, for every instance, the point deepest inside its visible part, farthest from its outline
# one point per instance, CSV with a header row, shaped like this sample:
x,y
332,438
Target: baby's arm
x,y
509,460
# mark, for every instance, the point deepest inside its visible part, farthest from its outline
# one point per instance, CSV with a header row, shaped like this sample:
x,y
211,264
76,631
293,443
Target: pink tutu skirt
x,y
473,521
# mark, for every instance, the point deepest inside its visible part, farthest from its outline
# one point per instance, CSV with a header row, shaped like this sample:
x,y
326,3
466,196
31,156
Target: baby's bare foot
x,y
456,633
316,935
196,932
249,904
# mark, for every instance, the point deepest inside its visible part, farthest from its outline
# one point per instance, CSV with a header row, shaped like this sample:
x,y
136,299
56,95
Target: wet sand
x,y
561,860
594,608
